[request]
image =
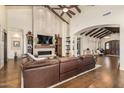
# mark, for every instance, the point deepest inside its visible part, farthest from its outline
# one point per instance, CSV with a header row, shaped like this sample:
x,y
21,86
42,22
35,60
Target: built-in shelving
x,y
58,45
29,36
67,46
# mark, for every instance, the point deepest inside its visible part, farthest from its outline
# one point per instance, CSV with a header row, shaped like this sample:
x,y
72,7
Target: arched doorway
x,y
95,37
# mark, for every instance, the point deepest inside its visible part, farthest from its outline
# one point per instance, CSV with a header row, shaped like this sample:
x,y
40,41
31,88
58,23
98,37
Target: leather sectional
x,y
47,72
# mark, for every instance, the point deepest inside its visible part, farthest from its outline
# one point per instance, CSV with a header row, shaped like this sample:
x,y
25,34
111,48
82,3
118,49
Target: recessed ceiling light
x,y
65,9
106,37
16,36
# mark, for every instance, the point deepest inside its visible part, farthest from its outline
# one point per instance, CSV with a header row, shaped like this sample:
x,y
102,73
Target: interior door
x,y
112,47
107,48
78,46
5,48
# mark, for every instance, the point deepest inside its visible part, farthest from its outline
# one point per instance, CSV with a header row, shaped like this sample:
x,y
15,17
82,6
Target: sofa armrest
x,y
41,76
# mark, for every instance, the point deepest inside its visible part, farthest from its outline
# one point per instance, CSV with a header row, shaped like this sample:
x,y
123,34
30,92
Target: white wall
x,y
19,18
93,16
2,26
47,23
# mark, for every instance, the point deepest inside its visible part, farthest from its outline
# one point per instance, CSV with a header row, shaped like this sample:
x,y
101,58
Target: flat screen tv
x,y
42,39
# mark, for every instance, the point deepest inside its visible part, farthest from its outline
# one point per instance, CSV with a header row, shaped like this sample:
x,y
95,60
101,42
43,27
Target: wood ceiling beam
x,y
91,31
64,5
101,32
78,9
56,13
68,14
96,32
104,34
82,33
57,8
70,11
60,6
62,14
113,29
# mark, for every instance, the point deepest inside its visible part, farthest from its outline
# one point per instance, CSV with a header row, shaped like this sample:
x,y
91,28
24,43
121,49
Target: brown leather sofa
x,y
51,71
68,67
40,74
74,65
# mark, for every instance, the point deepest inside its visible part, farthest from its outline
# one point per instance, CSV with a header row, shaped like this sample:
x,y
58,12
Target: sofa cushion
x,y
68,64
87,59
67,59
27,64
68,74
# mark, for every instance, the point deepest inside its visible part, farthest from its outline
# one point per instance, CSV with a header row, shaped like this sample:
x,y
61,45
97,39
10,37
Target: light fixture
x,y
65,9
16,36
106,37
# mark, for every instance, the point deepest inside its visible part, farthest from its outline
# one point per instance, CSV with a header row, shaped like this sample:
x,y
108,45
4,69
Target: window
x,y
107,45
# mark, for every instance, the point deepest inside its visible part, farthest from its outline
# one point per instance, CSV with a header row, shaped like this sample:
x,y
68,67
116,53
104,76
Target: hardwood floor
x,y
106,76
10,75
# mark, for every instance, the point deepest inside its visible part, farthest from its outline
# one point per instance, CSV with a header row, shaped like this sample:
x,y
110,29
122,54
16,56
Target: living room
x,y
52,33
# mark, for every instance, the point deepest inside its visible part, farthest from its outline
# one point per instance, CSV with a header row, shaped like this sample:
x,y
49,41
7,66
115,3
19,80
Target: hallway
x,y
106,76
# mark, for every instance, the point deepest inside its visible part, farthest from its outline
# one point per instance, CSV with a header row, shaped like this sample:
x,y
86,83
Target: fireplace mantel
x,y
44,46
40,49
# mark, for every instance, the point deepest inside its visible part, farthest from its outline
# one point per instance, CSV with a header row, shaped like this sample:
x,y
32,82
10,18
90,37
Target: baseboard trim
x,y
22,84
113,55
96,67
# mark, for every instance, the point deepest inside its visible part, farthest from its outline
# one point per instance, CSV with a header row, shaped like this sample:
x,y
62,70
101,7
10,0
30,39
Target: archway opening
x,y
96,37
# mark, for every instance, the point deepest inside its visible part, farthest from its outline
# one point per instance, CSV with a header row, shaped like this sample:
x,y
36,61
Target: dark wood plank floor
x,y
10,75
106,76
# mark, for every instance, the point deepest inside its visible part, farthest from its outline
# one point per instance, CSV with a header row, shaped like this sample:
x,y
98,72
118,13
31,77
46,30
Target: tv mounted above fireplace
x,y
43,39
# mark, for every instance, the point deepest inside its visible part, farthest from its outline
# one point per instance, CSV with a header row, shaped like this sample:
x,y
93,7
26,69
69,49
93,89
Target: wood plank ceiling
x,y
101,32
65,10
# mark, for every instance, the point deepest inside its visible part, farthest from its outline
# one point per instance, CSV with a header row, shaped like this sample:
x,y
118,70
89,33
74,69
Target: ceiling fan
x,y
67,10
